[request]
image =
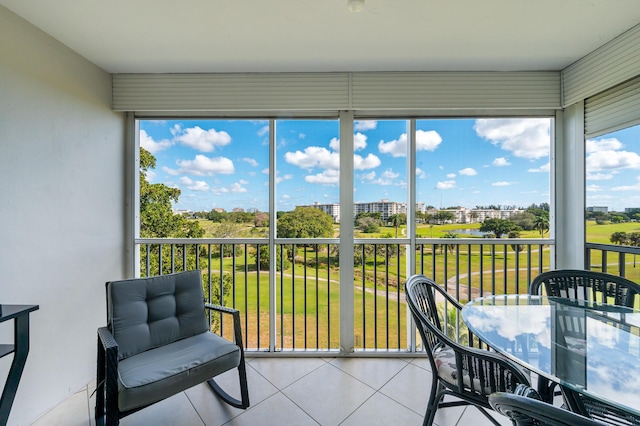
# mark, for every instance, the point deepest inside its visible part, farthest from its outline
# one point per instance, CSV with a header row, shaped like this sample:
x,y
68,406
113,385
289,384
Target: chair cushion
x,y
445,360
147,313
161,372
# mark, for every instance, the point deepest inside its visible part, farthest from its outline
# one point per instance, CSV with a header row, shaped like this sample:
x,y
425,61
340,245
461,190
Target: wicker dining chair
x,y
597,287
588,285
525,408
468,373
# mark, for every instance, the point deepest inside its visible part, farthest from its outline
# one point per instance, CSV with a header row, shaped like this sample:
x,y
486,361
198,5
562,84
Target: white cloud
x,y
367,176
425,141
600,176
202,165
150,175
468,172
451,175
612,160
302,136
447,184
250,161
594,188
501,162
420,174
151,145
607,144
364,125
237,187
369,162
283,178
542,169
314,156
327,177
359,142
525,138
203,140
198,185
501,183
388,177
263,131
634,187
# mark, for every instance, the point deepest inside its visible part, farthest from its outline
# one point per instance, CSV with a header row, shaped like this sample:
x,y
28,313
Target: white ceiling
x,y
151,36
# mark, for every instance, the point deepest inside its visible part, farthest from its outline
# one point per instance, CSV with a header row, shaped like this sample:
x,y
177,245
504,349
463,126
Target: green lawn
x,y
379,321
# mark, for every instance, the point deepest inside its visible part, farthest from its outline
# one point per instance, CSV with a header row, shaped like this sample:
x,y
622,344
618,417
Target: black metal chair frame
x,y
493,371
107,411
525,410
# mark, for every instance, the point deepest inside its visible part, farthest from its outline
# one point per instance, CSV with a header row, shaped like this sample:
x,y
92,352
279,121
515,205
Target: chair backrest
x,y
587,285
527,410
145,313
421,298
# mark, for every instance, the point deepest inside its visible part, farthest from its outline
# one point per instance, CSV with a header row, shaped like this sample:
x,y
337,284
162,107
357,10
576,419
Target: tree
x,y
451,234
157,219
516,247
525,220
261,219
541,223
498,226
305,222
396,220
368,224
620,238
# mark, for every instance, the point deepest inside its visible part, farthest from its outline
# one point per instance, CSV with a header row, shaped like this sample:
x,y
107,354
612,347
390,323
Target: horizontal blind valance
x,y
336,91
612,64
613,109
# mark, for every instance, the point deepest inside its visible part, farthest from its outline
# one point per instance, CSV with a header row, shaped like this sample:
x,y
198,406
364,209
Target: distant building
x,y
238,210
632,210
602,209
385,207
465,215
332,210
218,210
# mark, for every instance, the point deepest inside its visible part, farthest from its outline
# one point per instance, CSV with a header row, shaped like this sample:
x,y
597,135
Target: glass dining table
x,y
585,347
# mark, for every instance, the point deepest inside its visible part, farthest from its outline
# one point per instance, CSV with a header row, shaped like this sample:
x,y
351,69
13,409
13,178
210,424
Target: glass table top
x,y
588,347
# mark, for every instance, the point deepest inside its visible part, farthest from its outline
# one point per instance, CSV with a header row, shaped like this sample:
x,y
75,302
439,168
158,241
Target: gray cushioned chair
x,y
157,343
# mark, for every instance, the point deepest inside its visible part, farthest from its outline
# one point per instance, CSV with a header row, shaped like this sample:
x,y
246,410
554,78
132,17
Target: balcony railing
x,y
613,259
297,307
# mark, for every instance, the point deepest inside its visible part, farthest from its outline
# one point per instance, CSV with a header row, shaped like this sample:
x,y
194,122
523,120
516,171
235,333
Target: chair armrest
x,y
107,340
237,330
107,377
448,297
221,308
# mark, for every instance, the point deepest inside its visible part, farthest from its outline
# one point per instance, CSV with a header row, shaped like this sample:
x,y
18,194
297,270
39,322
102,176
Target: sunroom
x,y
79,81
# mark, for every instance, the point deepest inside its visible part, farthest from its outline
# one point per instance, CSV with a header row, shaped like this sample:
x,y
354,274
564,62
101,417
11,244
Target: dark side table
x,y
20,348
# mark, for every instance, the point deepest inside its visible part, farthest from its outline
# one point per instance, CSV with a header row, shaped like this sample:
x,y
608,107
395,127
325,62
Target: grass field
x,y
308,309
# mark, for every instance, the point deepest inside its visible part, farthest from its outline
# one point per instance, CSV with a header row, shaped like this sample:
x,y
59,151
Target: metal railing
x,y
613,259
296,308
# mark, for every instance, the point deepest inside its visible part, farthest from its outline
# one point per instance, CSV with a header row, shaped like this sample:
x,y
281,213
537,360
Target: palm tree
x,y
396,220
541,223
620,238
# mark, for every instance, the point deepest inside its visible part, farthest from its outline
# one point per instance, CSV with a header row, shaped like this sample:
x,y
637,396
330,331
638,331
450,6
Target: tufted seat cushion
x,y
161,372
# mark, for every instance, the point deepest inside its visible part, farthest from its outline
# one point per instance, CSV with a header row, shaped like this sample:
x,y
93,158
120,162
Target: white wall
x,y
62,188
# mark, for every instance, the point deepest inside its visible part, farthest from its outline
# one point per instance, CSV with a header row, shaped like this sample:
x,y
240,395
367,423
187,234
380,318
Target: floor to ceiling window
x,y
612,214
260,199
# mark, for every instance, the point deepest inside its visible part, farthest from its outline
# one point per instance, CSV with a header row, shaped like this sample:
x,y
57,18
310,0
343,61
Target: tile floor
x,y
296,391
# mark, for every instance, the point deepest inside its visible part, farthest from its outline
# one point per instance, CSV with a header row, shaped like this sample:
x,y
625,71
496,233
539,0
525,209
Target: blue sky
x,y
467,162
